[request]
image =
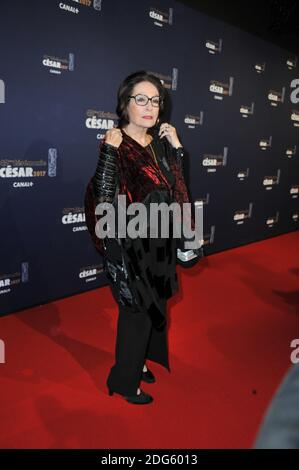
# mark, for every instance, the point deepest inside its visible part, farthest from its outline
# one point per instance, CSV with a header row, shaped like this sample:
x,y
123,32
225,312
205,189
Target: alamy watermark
x,y
150,220
295,353
2,91
294,96
2,352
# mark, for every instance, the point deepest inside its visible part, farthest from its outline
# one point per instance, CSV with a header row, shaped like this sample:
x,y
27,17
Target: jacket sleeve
x,y
181,195
102,187
180,192
105,177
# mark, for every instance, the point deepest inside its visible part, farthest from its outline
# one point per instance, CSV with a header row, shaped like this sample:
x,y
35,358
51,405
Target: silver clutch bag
x,y
186,255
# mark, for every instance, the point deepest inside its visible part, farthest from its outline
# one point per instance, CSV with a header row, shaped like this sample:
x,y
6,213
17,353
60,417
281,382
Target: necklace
x,y
153,154
135,139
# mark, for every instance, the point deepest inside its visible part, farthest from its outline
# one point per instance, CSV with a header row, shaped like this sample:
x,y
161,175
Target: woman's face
x,y
143,116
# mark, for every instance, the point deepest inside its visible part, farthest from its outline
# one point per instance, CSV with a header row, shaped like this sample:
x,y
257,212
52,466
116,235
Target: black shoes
x,y
148,377
141,399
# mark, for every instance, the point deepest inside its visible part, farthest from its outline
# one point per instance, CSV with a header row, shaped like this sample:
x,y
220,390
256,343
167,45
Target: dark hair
x,y
126,89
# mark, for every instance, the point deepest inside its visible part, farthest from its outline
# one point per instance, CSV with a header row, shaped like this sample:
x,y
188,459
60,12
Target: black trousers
x,y
136,341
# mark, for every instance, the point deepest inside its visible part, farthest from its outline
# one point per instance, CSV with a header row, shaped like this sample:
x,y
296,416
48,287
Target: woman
x,y
146,168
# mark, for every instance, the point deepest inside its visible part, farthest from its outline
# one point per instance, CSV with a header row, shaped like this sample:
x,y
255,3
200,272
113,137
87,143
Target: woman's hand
x,y
114,137
168,131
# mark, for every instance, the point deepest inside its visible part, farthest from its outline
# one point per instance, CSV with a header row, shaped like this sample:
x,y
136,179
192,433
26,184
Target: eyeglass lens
x,y
143,100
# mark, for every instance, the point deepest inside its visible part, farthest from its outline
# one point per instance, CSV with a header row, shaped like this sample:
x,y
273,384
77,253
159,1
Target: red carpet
x,y
230,330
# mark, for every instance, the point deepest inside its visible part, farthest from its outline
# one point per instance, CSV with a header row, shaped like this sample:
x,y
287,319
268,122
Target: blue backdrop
x,y
61,65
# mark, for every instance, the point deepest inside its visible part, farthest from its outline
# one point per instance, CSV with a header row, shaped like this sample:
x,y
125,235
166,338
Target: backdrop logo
x,y
271,221
4,282
208,239
242,174
161,18
221,89
52,162
90,273
57,65
72,216
270,181
291,151
295,117
265,143
292,63
294,191
212,161
193,121
15,170
295,216
174,82
276,97
25,272
8,281
2,352
2,92
247,110
260,68
168,81
100,120
69,8
241,215
96,4
294,97
214,47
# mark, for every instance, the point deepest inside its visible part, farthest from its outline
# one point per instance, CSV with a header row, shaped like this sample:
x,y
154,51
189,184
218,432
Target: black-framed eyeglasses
x,y
142,100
